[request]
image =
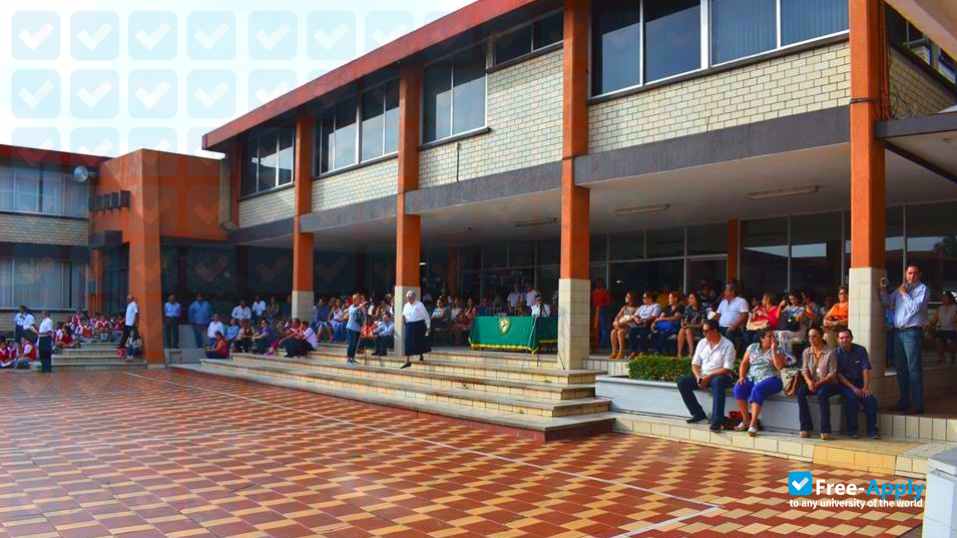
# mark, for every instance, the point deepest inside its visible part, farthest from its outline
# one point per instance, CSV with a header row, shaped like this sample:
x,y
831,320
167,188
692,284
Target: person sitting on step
x,y
758,379
819,370
219,349
711,367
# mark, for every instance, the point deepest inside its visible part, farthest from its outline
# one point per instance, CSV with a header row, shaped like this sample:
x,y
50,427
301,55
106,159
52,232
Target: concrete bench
x,y
661,398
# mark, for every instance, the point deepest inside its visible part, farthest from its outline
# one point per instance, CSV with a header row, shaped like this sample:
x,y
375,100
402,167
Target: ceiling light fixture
x,y
781,193
533,223
642,209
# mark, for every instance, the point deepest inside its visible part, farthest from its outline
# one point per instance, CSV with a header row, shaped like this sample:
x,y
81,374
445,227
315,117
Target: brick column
x,y
302,243
573,284
408,228
95,293
143,236
868,189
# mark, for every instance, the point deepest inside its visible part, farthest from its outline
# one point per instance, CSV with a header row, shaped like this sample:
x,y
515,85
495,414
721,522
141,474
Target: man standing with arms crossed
x,y
172,311
909,304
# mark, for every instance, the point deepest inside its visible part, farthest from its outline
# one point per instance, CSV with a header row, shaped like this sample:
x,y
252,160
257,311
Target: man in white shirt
x,y
172,311
241,312
259,307
215,326
530,295
514,297
540,309
711,368
732,315
45,343
132,313
640,333
21,321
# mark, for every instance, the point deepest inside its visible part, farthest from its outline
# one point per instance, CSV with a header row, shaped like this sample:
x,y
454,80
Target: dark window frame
x,y
448,62
324,159
533,27
249,186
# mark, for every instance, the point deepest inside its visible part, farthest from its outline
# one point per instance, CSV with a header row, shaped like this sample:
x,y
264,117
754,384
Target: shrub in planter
x,y
658,368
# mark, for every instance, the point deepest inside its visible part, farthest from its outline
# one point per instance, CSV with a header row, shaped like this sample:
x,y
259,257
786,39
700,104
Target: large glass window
x,y
26,189
741,28
816,260
269,159
41,283
708,239
764,255
52,194
666,243
6,188
524,40
48,191
672,37
454,95
380,120
932,244
344,151
802,20
616,46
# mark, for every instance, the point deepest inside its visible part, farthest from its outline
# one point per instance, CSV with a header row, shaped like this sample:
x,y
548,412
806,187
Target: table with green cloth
x,y
513,333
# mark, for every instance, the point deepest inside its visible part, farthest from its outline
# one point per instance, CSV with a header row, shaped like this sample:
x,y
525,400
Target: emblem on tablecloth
x,y
504,324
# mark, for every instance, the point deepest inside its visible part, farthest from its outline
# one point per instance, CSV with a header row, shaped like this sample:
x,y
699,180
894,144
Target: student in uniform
x,y
45,343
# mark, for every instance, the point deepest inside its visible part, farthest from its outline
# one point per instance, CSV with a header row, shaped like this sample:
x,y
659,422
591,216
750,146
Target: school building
x,y
650,143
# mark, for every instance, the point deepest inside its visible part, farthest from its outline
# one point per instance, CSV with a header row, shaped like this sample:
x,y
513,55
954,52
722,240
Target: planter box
x,y
661,398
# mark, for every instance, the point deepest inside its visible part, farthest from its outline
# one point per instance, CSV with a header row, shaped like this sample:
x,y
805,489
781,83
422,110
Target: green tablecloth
x,y
513,333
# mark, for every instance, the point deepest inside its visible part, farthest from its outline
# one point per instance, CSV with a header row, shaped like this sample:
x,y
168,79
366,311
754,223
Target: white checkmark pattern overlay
x,y
150,53
798,485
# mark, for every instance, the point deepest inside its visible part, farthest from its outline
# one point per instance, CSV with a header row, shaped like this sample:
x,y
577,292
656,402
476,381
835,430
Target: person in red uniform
x,y
600,302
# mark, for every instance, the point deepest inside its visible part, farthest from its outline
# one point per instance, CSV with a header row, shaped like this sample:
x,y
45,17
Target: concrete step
x,y
537,427
463,398
60,363
491,369
472,379
890,456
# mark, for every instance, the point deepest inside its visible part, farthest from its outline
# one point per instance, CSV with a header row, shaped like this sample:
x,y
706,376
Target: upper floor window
x,y
359,128
269,159
642,41
454,94
905,35
529,38
50,191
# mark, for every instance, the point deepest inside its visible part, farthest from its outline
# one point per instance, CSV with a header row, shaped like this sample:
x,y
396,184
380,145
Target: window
x,y
52,197
26,186
344,151
802,20
816,262
6,188
616,47
741,28
524,40
764,254
270,156
665,243
672,37
45,191
454,95
42,283
380,120
947,67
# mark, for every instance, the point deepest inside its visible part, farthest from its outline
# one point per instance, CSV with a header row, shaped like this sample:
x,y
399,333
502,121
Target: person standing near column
x,y
909,303
199,315
171,314
357,316
417,324
45,343
129,321
21,321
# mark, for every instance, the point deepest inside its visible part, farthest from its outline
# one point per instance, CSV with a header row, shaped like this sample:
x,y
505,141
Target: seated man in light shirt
x,y
215,326
644,319
384,335
540,309
241,312
711,367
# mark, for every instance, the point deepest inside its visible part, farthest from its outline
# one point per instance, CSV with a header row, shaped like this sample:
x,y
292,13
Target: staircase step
x,y
472,380
94,364
464,398
515,360
535,426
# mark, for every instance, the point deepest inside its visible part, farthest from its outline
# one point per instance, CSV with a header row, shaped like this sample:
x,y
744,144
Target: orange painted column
x,y
868,187
95,295
303,248
408,228
574,287
143,237
734,249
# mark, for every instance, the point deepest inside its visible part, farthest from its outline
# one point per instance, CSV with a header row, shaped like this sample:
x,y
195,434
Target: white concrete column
x,y
302,303
398,302
573,319
866,320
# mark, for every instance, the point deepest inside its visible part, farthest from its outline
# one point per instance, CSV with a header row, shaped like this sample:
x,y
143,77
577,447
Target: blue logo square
x,y
211,94
95,140
385,26
152,94
95,35
273,35
158,138
36,35
800,483
36,93
94,94
331,35
152,35
211,35
36,137
266,85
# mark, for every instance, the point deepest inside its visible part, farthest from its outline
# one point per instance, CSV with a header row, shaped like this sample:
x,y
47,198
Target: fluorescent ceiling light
x,y
781,193
642,209
532,223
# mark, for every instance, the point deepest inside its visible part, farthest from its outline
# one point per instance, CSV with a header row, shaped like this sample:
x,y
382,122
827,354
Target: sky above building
x,y
108,77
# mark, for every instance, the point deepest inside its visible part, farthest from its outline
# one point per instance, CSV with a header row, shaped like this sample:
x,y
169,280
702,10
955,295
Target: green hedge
x,y
658,368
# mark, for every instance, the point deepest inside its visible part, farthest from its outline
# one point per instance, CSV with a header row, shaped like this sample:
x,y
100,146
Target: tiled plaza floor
x,y
166,453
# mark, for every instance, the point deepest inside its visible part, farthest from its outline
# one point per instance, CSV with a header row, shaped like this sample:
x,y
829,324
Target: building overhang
x,y
935,18
37,157
930,141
